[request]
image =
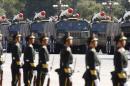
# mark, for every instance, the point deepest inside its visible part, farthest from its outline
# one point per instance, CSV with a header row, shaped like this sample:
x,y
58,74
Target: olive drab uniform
x,y
91,76
29,56
1,62
43,66
119,76
65,71
16,64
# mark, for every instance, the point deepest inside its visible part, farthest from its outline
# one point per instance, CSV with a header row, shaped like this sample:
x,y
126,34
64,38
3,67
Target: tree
x,y
33,6
88,8
2,11
11,7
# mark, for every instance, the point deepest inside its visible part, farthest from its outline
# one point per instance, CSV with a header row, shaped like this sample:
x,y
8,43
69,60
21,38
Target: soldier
x,y
66,61
91,75
119,75
43,65
16,64
29,56
1,61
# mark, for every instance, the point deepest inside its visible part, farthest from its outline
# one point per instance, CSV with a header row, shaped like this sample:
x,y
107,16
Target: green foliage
x,y
88,8
33,6
85,7
2,12
11,7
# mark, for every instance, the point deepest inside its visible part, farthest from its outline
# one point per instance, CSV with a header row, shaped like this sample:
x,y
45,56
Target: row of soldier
x,y
91,75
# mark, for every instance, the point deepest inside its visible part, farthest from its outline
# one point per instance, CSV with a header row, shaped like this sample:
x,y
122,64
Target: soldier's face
x,y
32,40
94,44
18,39
123,42
45,42
70,42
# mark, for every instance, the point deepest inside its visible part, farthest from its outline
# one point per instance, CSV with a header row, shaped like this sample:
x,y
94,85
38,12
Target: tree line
x,y
86,8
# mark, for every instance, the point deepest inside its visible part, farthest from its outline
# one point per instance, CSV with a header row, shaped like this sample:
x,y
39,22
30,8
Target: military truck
x,y
40,27
106,31
78,28
22,27
4,27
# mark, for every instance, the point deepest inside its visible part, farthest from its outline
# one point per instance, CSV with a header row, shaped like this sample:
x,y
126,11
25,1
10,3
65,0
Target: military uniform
x,y
29,66
43,65
119,75
15,66
66,61
91,75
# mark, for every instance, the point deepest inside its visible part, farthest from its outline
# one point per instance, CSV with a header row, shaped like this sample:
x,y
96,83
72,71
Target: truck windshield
x,y
72,26
99,27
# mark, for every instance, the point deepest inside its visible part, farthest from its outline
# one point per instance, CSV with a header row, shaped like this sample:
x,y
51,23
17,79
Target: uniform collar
x,y
68,48
44,47
93,49
121,49
30,45
17,43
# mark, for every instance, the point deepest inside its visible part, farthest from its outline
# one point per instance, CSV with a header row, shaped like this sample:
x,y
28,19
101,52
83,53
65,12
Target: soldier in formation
x,y
91,75
43,64
66,62
119,75
29,57
16,64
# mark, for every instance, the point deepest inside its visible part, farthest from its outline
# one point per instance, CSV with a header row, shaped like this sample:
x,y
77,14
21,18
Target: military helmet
x,y
120,37
92,38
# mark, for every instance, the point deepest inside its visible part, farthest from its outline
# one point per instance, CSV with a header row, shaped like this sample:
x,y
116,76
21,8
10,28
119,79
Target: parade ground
x,y
79,62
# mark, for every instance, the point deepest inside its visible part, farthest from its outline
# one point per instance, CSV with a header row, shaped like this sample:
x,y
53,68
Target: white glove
x,y
97,83
71,66
126,84
35,72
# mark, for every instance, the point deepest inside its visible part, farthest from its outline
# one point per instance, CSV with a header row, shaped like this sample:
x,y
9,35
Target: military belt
x,y
122,75
67,70
44,65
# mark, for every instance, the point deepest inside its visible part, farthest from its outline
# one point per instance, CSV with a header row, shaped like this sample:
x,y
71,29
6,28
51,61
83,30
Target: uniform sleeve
x,y
15,52
42,56
70,57
91,62
30,51
61,58
118,61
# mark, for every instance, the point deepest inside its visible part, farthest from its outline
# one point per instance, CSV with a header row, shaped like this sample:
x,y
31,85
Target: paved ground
x,y
106,68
